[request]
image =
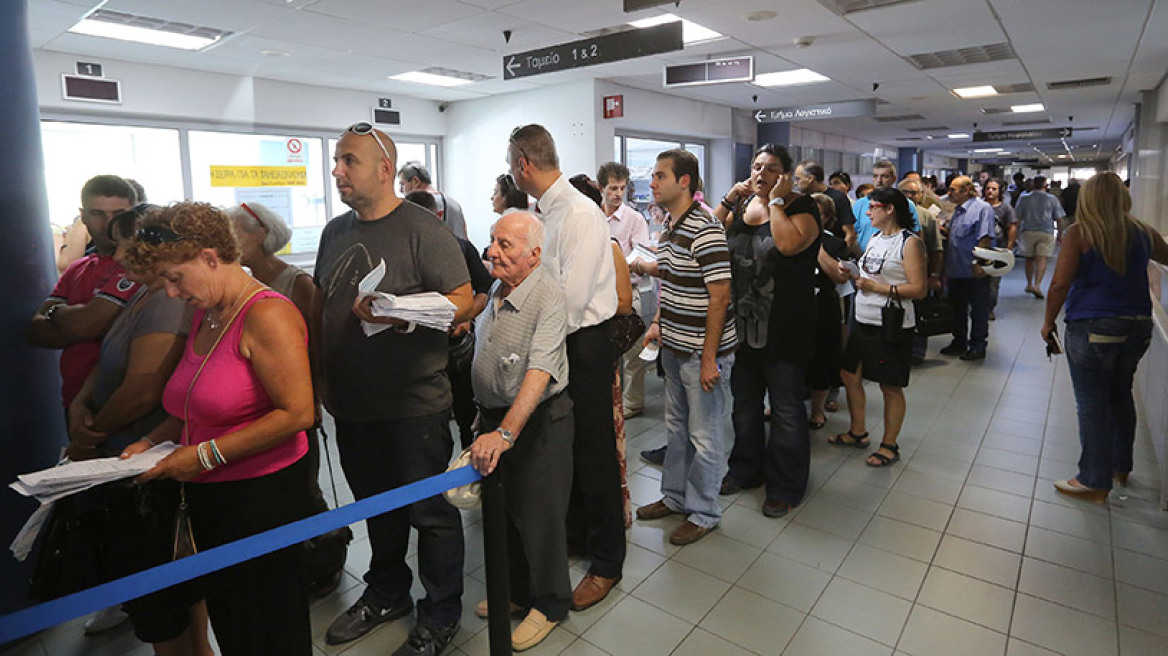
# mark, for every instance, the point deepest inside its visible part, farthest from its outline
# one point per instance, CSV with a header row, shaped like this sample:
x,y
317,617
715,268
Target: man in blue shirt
x,y
972,225
1038,212
883,175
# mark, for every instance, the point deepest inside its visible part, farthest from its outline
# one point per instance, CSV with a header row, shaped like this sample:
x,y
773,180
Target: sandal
x,y
852,440
881,459
816,425
831,406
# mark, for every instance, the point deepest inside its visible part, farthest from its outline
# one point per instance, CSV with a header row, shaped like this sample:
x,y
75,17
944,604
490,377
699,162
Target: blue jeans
x,y
695,424
1103,355
784,461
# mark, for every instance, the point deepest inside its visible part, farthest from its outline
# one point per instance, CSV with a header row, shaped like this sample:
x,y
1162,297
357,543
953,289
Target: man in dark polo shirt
x,y
388,391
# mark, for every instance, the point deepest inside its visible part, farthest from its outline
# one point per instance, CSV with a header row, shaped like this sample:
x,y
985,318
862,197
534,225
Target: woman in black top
x,y
823,371
773,233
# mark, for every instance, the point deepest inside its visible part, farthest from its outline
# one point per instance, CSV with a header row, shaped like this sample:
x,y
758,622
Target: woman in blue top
x,y
1102,276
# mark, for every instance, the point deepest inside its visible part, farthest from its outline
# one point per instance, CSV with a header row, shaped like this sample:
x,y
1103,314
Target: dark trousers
x,y
784,461
383,455
970,298
537,475
464,403
259,606
596,520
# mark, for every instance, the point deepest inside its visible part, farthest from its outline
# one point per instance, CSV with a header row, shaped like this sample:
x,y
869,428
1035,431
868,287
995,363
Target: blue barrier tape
x,y
37,618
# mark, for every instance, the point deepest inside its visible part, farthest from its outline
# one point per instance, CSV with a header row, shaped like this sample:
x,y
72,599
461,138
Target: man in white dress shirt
x,y
577,252
628,228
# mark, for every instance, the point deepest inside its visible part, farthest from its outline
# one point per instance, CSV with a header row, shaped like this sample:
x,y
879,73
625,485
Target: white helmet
x,y
994,261
465,497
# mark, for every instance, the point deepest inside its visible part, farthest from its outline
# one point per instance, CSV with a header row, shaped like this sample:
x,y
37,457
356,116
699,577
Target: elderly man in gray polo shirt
x,y
520,373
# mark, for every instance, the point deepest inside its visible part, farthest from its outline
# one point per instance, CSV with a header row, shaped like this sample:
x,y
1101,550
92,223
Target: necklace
x,y
214,322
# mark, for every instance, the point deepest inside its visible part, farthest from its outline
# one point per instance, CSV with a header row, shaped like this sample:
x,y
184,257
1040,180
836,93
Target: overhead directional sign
x,y
844,109
598,50
716,71
1023,135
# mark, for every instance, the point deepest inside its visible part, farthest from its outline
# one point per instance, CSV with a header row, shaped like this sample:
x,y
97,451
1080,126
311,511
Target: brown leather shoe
x,y
688,533
591,591
655,510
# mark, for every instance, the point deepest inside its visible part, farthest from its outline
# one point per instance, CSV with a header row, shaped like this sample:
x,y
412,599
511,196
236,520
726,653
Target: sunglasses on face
x,y
362,128
160,234
878,206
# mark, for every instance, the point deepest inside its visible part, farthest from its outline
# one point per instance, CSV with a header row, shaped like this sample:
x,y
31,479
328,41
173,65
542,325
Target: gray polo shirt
x,y
519,332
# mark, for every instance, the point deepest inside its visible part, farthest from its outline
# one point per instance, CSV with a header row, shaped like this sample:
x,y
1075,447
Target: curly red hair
x,y
200,226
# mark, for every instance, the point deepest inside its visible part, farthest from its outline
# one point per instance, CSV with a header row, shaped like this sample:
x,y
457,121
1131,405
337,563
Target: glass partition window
x,y
640,155
75,152
282,172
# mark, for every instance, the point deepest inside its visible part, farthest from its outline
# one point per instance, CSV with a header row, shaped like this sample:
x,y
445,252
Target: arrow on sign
x,y
1064,133
758,116
511,66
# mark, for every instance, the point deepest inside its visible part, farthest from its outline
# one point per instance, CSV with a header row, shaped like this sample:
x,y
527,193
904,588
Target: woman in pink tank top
x,y
239,403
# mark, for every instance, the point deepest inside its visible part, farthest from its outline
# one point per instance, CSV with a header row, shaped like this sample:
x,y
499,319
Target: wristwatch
x,y
777,201
507,435
52,310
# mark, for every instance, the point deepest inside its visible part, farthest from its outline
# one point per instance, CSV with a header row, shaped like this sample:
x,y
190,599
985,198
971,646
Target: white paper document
x,y
427,309
640,252
69,477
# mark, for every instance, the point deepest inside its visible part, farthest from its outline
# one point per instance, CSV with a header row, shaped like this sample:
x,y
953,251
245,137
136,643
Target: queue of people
x,y
781,292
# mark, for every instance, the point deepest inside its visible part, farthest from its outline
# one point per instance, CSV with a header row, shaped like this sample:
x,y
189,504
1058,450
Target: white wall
x,y
177,94
476,142
804,135
652,113
1149,193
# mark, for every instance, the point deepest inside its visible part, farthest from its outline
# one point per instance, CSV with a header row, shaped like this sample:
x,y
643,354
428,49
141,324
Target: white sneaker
x,y
104,620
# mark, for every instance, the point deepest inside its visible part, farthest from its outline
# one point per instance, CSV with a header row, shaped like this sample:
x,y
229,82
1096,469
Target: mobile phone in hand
x,y
1054,345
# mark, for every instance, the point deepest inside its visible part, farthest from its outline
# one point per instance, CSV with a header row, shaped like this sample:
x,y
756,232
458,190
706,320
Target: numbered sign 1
x,y
89,69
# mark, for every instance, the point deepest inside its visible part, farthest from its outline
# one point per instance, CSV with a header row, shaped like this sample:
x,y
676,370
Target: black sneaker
x,y
427,641
973,355
361,618
654,456
953,349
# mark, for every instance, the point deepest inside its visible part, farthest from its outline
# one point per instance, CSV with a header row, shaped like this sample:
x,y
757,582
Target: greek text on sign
x,y
259,176
597,50
845,109
1023,135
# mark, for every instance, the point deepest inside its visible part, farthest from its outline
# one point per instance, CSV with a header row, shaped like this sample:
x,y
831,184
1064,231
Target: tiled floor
x,y
963,547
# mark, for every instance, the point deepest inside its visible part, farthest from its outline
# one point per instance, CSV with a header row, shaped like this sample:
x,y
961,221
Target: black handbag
x,y
626,329
892,317
934,316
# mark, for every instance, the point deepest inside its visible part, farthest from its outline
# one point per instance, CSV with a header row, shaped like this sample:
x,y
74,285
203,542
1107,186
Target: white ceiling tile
x,y
401,16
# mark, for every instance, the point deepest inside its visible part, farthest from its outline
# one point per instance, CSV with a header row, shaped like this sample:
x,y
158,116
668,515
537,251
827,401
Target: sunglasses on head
x,y
160,234
512,140
362,128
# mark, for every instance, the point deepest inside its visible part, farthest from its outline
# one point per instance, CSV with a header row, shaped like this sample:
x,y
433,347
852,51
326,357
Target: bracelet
x,y
727,204
217,453
204,458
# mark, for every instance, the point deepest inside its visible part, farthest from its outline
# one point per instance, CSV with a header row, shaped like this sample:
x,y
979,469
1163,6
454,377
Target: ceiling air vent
x,y
898,118
843,7
990,111
962,56
908,138
1039,121
1079,84
932,128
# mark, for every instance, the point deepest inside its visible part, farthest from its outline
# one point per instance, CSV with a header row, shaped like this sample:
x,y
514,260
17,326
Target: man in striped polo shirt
x,y
697,334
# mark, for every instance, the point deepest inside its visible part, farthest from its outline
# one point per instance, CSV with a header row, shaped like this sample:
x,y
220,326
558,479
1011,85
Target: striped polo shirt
x,y
691,254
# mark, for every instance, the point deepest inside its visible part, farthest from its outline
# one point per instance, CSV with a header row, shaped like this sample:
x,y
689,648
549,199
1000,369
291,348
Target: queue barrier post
x,y
495,550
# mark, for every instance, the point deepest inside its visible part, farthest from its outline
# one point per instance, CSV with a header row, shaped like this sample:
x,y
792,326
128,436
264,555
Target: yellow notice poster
x,y
259,176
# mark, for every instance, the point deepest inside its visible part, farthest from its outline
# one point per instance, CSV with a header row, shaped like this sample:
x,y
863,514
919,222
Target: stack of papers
x,y
428,309
640,252
69,477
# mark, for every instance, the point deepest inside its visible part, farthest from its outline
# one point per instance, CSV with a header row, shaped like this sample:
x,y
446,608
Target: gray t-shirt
x,y
147,313
1037,212
389,375
450,212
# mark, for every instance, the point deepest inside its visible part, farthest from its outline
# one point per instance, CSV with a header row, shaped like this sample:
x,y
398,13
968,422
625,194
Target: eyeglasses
x,y
361,129
878,206
159,234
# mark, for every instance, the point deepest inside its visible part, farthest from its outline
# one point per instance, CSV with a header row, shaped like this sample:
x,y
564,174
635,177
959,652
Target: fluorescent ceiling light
x,y
789,78
989,150
418,77
1022,109
691,32
122,32
976,92
1062,156
959,135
